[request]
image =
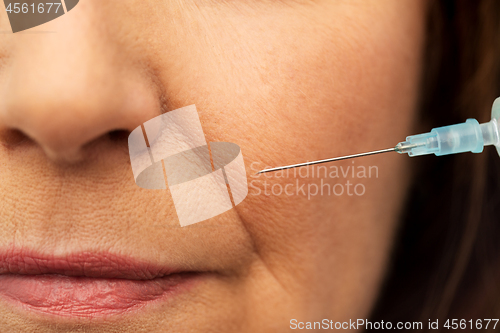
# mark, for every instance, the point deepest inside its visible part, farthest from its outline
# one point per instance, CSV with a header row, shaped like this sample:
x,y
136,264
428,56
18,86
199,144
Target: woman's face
x,y
288,81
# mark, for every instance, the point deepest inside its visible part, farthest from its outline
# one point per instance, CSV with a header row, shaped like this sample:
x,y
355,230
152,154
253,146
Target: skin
x,y
288,81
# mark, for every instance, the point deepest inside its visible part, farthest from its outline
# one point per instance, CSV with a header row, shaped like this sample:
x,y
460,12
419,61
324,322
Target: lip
x,y
86,284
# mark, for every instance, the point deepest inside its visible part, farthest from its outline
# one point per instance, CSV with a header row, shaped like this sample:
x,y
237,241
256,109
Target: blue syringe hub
x,y
465,137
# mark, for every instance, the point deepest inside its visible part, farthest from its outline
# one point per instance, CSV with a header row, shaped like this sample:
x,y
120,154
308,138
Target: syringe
x,y
469,136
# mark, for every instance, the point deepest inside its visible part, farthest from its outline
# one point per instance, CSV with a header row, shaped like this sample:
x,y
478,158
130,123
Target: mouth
x,y
86,284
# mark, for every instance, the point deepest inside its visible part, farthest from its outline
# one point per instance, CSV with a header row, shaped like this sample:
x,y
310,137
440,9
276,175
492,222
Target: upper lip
x,y
84,264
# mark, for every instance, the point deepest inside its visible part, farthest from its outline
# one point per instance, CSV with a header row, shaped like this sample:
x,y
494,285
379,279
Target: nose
x,y
67,89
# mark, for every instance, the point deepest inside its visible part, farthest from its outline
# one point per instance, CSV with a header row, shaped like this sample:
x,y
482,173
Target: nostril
x,y
118,135
13,137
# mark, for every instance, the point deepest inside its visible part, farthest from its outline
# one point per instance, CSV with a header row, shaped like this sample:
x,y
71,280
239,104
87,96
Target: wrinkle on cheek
x,y
333,89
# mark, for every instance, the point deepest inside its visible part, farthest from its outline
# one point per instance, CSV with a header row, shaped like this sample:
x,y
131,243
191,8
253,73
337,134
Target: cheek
x,y
344,81
296,84
290,86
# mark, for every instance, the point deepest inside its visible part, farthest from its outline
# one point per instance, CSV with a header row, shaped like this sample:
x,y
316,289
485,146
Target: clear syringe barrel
x,y
469,136
466,137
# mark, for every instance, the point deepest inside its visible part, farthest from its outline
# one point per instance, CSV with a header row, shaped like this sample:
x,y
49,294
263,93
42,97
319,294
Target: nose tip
x,y
62,125
64,93
60,130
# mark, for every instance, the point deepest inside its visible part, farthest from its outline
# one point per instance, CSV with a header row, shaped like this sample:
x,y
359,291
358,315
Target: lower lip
x,y
87,297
